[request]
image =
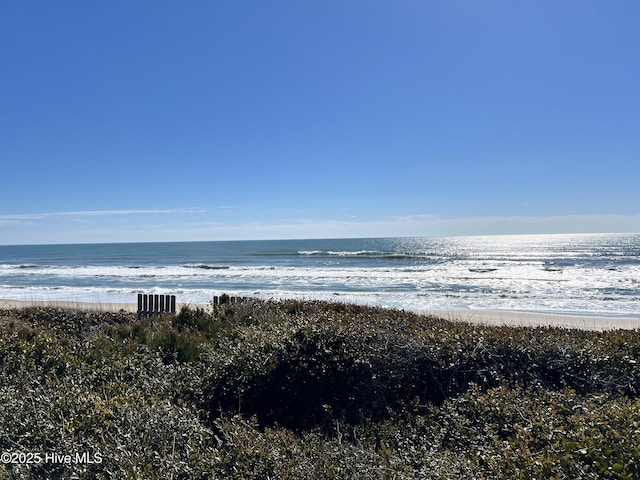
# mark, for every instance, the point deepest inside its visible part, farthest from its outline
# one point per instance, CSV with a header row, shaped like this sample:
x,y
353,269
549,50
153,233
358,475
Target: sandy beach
x,y
479,317
8,304
532,319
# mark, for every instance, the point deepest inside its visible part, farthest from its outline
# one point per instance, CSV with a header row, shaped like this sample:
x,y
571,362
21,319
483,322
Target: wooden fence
x,y
224,299
152,304
149,305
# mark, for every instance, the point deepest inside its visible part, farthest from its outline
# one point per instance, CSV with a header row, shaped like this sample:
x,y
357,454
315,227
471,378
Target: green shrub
x,y
315,390
198,320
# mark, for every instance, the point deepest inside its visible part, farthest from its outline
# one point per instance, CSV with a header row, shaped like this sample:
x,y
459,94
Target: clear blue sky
x,y
202,120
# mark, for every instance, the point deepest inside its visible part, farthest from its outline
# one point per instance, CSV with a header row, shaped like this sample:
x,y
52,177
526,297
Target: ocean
x,y
591,274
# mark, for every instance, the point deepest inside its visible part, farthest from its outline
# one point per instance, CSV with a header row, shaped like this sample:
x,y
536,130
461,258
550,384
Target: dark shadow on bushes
x,y
313,387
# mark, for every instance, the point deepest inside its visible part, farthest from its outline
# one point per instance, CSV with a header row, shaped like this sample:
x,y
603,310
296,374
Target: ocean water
x,y
579,274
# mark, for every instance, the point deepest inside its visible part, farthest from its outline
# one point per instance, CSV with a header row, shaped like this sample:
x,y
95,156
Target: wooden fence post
x,y
154,304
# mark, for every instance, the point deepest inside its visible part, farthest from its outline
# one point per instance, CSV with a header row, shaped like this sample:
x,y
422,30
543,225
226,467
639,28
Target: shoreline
x,y
512,318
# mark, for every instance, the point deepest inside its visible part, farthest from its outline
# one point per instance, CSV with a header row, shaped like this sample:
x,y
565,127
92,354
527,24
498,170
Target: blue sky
x,y
151,120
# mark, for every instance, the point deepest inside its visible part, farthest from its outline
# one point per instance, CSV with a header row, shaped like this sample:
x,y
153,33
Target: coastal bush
x,y
301,372
314,390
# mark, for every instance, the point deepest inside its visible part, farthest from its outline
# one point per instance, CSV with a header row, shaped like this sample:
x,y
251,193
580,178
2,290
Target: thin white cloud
x,y
96,213
181,229
406,226
518,224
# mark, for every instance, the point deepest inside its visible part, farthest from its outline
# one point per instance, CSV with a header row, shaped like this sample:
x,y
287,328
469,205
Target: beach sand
x,y
477,317
531,319
7,304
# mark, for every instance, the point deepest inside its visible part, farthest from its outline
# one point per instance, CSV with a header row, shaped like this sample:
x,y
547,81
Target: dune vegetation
x,y
305,389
